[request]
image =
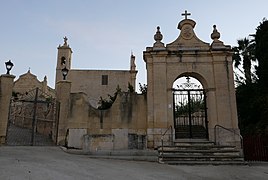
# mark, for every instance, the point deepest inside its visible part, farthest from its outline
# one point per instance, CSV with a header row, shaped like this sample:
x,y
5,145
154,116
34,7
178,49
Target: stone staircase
x,y
196,152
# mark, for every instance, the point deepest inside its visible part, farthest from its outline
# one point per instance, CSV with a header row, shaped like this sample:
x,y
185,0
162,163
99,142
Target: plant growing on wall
x,y
106,104
130,88
143,88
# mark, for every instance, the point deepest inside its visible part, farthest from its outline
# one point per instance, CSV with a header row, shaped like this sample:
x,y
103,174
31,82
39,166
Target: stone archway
x,y
189,108
210,63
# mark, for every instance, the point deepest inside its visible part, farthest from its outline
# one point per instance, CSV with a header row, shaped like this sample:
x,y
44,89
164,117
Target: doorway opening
x,y
189,109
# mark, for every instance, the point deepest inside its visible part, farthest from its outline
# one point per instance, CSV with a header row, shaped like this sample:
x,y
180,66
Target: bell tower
x,y
63,59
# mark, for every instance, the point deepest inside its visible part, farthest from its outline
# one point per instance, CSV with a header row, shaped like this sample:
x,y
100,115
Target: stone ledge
x,y
131,155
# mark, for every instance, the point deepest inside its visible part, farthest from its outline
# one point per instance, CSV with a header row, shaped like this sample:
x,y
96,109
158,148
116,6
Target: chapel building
x,y
95,84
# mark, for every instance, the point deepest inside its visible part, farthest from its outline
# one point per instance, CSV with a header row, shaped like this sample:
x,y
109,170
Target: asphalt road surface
x,y
51,163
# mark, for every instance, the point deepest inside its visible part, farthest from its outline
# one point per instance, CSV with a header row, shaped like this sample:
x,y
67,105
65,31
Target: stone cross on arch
x,y
186,14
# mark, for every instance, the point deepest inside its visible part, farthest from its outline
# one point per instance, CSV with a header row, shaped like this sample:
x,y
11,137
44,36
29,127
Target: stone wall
x,y
99,83
123,126
6,85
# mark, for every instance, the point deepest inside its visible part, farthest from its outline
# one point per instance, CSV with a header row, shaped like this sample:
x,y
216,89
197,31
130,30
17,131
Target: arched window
x,y
63,60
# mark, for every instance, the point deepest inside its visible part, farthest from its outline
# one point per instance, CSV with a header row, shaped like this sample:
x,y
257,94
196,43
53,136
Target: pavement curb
x,y
131,155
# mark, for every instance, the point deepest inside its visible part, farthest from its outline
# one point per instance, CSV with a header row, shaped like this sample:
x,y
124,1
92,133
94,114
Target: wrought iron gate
x,y
32,119
190,112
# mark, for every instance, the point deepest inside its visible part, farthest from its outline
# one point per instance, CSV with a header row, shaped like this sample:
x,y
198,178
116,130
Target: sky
x,y
104,33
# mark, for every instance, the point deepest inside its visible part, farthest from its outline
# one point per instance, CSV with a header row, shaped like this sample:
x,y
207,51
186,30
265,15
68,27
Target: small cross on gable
x,y
186,14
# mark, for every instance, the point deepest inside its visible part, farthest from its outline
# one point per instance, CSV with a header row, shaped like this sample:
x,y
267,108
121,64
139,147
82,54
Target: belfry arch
x,y
209,63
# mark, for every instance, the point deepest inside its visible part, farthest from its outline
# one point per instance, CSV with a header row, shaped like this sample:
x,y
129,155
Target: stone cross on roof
x,y
186,14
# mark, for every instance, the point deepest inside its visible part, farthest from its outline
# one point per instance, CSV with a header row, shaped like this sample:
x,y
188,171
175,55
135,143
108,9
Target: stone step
x,y
200,151
195,147
201,157
192,163
187,127
191,142
194,135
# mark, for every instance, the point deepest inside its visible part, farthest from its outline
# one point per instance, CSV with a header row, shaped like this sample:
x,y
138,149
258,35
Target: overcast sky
x,y
102,33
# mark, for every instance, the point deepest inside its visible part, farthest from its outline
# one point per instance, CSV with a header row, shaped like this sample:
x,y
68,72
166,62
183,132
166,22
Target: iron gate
x,y
190,113
32,119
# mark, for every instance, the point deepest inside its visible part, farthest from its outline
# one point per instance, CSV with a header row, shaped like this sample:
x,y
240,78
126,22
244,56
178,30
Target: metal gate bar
x,y
32,119
190,116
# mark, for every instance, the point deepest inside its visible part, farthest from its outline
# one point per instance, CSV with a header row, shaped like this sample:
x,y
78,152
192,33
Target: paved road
x,y
51,163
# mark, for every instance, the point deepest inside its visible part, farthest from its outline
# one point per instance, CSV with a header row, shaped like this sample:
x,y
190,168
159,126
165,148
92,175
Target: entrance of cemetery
x,y
32,119
190,109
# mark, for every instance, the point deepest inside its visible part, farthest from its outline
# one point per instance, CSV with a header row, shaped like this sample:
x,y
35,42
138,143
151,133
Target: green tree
x,y
244,54
182,109
261,39
252,98
252,109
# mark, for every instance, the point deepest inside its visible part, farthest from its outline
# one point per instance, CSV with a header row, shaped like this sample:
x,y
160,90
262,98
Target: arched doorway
x,y
190,109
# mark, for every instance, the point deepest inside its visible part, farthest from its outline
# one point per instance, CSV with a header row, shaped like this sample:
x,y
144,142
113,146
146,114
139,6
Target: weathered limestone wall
x,y
124,123
90,82
123,126
225,101
26,82
63,98
6,85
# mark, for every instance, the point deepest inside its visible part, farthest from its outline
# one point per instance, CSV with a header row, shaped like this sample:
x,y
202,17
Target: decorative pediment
x,y
28,75
187,39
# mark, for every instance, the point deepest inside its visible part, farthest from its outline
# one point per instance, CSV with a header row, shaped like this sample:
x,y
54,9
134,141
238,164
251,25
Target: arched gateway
x,y
190,109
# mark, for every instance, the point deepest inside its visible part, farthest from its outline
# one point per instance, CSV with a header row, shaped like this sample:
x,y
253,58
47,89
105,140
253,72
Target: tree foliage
x,y
261,39
252,108
243,55
195,105
252,98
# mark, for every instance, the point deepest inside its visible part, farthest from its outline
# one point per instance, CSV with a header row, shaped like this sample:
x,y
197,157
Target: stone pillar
x,y
63,90
6,86
133,72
